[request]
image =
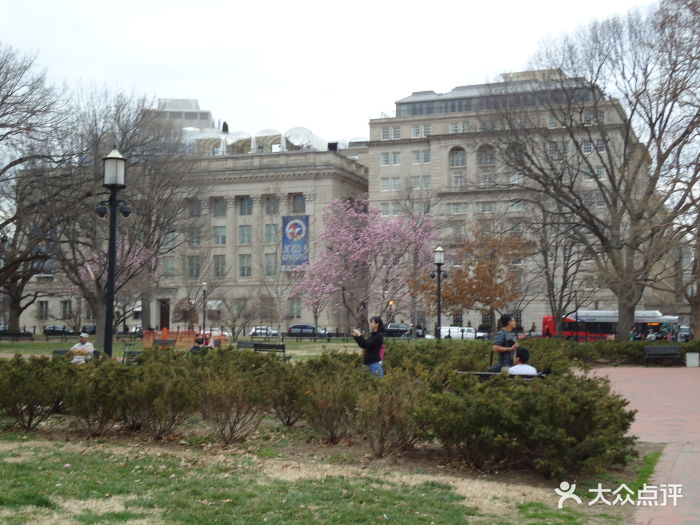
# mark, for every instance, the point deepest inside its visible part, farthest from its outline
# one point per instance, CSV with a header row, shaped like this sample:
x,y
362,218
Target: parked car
x,y
5,330
59,329
461,332
306,330
218,332
90,329
263,331
395,329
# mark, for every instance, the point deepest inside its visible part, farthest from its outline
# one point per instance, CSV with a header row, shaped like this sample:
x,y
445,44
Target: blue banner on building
x,y
295,240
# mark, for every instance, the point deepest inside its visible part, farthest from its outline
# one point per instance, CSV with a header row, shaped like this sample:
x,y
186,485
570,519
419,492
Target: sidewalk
x,y
666,399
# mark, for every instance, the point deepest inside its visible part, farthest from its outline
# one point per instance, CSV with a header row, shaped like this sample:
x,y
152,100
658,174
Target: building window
x,y
272,205
239,306
194,208
42,310
385,184
599,145
298,203
270,233
386,133
193,237
458,181
270,264
599,172
454,127
385,161
384,206
516,179
590,116
219,234
488,180
458,208
457,320
487,155
415,132
245,265
458,157
193,266
426,156
218,207
587,147
415,183
396,158
465,126
600,200
415,157
169,239
426,131
66,310
295,308
245,206
396,208
553,123
486,207
396,183
168,264
397,133
245,234
427,182
219,265
516,206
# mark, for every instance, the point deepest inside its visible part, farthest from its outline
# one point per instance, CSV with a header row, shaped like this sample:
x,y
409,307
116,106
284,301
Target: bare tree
x,y
608,133
155,171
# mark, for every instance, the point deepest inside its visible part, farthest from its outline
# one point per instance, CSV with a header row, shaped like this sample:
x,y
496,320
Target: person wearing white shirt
x,y
82,351
520,366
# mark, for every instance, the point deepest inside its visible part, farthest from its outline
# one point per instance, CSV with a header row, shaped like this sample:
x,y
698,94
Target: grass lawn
x,y
279,476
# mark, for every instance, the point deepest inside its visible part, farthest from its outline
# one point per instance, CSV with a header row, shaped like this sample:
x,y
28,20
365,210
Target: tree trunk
x,y
146,298
695,316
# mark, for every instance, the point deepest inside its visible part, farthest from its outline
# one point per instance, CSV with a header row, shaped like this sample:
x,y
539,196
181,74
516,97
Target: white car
x,y
219,332
461,332
263,331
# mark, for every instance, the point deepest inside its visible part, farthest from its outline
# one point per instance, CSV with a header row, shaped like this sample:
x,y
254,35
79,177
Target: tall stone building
x,y
442,154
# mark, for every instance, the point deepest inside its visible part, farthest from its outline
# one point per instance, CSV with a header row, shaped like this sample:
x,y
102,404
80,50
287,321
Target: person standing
x,y
82,351
372,345
505,342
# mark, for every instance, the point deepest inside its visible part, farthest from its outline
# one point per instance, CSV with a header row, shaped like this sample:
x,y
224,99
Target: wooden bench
x,y
272,347
129,357
485,376
249,345
662,352
61,352
166,343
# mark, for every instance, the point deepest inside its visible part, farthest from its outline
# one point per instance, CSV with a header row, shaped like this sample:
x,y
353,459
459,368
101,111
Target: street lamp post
x,y
439,254
114,168
204,308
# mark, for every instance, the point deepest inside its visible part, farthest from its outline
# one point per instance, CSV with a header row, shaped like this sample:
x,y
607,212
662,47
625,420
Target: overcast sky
x,y
327,66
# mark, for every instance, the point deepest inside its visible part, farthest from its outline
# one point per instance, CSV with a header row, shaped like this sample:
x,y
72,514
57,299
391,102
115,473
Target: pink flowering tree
x,y
365,261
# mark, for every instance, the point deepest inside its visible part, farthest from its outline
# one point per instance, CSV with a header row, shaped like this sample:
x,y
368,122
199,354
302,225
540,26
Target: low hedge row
x,y
564,424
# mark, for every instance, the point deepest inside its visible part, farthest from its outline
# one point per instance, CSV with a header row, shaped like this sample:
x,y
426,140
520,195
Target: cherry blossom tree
x,y
365,261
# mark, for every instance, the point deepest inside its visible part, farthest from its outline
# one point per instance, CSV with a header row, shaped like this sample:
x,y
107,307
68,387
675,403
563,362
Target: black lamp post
x,y
439,254
114,168
204,308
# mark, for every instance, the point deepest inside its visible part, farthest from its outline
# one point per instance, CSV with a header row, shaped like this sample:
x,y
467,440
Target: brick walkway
x,y
667,402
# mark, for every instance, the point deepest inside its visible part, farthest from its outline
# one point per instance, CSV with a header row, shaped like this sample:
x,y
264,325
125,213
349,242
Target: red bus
x,y
594,325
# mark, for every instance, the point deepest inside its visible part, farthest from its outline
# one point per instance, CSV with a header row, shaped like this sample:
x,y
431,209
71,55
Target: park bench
x,y
248,345
485,376
15,338
167,343
272,347
662,352
129,356
59,352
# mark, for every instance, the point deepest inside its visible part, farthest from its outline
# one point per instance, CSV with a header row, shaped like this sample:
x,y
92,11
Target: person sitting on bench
x,y
520,366
82,351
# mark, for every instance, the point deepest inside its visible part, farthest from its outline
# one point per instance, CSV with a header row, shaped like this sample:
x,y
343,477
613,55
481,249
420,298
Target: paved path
x,y
668,412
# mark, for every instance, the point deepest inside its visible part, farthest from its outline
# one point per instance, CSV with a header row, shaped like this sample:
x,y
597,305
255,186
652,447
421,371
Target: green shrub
x,y
559,426
335,380
96,394
288,386
30,389
236,393
384,412
162,393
